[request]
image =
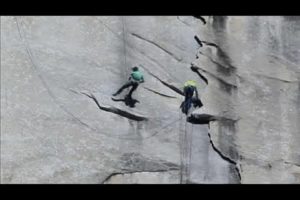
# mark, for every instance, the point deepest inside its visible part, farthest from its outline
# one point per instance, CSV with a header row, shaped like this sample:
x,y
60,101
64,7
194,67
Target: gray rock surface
x,y
51,132
253,71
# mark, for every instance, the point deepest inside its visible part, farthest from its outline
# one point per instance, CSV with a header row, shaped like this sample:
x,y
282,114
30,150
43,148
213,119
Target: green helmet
x,y
190,83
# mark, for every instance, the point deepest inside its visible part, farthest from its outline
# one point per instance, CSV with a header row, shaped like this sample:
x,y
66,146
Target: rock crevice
x,y
117,111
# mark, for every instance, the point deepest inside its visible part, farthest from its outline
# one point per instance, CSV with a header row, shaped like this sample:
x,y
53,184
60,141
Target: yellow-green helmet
x,y
190,83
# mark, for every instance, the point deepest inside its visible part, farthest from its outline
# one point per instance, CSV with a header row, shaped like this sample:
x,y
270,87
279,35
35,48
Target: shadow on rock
x,y
128,100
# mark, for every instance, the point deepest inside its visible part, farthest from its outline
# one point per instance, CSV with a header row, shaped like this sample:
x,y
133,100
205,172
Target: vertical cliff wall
x,y
53,69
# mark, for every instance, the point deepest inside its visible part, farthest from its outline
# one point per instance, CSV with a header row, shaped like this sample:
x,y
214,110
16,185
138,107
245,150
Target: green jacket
x,y
137,76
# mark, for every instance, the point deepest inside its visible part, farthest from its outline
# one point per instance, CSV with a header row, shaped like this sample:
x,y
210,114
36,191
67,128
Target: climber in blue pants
x,y
190,97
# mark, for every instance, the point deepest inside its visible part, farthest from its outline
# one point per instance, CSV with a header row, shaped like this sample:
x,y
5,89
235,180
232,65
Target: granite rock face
x,y
54,131
252,64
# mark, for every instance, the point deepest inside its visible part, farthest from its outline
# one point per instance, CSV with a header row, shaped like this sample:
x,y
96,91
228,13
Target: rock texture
x,y
54,131
252,64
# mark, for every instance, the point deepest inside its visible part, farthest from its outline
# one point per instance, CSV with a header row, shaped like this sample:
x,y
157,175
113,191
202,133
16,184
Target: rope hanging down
x,y
181,149
185,145
190,153
186,153
124,46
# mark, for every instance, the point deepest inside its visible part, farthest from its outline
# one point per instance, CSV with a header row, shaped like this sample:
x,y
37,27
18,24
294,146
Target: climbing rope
x,y
185,145
190,153
184,148
125,51
186,152
124,46
181,149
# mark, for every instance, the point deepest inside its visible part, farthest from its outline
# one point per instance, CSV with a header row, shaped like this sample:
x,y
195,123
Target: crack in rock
x,y
133,48
225,70
172,87
275,78
39,73
195,69
221,53
137,163
227,86
198,40
117,110
157,45
164,95
200,18
134,172
291,163
158,64
207,118
225,157
210,44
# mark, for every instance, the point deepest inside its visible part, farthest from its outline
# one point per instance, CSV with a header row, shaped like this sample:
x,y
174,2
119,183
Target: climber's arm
x,y
142,80
130,77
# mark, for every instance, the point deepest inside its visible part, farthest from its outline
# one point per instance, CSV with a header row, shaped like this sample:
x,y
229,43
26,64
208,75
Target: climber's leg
x,y
126,85
134,87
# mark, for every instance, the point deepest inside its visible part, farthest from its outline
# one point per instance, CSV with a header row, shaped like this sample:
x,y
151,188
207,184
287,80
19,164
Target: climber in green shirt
x,y
135,78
